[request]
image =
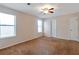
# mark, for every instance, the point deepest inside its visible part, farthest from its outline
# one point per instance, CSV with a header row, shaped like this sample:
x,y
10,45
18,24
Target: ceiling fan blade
x,y
51,9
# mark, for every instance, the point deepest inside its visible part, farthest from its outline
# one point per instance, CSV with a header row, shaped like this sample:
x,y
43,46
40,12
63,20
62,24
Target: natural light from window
x,y
39,25
7,25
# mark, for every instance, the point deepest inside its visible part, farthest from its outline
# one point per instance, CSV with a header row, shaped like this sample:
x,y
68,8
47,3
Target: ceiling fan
x,y
47,10
51,10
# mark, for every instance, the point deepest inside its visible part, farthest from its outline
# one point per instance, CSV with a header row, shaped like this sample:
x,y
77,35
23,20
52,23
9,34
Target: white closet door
x,y
53,28
73,29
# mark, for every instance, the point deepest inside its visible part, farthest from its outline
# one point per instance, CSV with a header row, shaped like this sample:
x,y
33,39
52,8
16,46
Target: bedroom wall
x,y
26,28
62,25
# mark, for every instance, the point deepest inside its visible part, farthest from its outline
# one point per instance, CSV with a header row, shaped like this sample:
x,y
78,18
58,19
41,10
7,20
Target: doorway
x,y
73,28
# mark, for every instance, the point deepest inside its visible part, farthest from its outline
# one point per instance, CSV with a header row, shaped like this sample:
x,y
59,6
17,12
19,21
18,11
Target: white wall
x,y
26,28
62,26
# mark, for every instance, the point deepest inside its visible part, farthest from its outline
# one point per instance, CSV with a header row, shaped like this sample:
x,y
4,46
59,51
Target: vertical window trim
x,y
15,25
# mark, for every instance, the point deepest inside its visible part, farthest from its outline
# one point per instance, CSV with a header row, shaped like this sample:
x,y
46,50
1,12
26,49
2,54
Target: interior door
x,y
73,28
54,28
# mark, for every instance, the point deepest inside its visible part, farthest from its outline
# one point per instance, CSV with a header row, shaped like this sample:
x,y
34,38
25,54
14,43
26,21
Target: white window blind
x,y
7,25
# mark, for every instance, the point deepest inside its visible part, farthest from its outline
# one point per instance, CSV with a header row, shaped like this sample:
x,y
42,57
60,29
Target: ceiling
x,y
34,8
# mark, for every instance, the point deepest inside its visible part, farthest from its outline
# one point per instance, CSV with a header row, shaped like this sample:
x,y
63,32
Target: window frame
x,y
9,25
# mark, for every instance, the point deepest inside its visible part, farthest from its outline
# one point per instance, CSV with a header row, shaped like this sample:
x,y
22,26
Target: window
x,y
39,25
7,25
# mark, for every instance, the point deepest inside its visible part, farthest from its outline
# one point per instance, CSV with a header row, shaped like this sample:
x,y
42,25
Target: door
x,y
73,28
53,28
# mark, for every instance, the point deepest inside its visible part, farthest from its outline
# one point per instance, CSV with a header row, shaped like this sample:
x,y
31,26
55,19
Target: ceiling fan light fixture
x,y
44,10
47,10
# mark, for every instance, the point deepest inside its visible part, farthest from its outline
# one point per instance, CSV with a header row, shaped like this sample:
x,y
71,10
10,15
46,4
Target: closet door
x,y
73,29
53,27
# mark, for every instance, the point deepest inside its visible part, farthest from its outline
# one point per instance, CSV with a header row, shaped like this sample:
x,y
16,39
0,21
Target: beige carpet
x,y
43,46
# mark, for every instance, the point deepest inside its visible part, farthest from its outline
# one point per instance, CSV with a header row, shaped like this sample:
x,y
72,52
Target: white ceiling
x,y
34,8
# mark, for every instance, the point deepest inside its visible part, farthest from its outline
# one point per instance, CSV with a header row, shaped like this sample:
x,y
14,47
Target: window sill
x,y
7,37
